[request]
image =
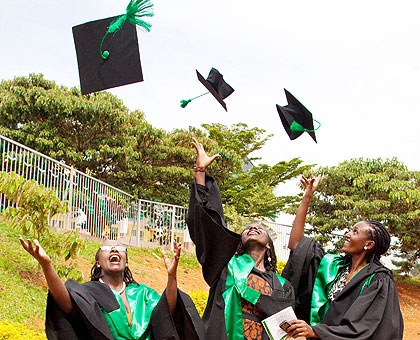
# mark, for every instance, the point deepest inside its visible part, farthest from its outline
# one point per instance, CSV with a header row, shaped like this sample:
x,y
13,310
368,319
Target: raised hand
x,y
56,286
35,249
310,185
203,161
172,263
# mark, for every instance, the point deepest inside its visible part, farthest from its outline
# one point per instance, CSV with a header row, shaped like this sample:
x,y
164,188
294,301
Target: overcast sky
x,y
354,65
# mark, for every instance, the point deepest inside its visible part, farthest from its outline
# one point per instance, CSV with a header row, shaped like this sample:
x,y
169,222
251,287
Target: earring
x,y
98,266
365,248
269,259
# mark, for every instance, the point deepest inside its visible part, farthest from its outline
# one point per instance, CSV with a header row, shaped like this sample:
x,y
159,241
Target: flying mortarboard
x,y
107,49
296,118
216,86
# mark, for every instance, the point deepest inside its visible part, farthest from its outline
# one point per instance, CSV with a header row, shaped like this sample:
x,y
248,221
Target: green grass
x,y
19,300
415,281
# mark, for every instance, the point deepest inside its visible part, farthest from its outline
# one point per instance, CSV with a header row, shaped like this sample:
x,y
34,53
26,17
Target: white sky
x,y
354,65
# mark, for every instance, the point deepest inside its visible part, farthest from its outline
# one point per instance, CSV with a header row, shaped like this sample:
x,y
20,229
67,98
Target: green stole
x,y
142,301
236,288
328,272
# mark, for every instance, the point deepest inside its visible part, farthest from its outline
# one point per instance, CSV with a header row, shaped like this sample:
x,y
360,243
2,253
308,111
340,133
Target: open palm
x,y
35,249
203,161
172,263
310,185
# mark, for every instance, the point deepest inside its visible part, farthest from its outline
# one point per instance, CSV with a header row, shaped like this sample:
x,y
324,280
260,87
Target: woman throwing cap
x,y
350,296
240,269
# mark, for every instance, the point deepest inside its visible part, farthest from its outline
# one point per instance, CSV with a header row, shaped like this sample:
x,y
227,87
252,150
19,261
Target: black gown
x,y
216,245
359,311
89,323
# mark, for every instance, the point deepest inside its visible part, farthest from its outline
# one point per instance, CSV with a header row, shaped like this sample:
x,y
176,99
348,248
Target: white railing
x,y
96,208
101,210
280,239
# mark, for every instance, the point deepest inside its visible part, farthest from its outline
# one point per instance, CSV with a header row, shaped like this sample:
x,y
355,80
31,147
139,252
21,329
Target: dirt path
x,y
409,296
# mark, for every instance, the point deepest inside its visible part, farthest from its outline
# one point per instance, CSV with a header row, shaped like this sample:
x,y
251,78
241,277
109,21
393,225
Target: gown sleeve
x,y
300,270
374,315
215,244
184,324
88,320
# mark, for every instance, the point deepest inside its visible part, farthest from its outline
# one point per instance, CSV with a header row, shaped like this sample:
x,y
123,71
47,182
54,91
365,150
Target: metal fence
x,y
280,239
96,208
100,210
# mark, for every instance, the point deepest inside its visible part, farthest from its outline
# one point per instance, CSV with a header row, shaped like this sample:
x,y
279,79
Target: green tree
x,y
377,189
90,133
98,135
252,193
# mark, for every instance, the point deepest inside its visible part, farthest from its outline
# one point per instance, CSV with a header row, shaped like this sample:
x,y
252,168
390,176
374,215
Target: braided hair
x,y
96,272
381,237
270,258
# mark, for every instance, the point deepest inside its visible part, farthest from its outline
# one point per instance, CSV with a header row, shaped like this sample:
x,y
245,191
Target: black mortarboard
x,y
107,50
296,118
216,86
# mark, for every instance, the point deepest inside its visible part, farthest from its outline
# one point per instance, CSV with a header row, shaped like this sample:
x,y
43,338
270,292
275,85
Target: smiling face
x,y
254,234
359,239
111,260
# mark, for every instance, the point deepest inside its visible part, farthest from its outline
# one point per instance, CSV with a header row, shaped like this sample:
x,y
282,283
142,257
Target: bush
x,y
280,266
34,205
17,331
200,300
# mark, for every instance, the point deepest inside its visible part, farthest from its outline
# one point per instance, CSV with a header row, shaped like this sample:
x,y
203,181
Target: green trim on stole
x,y
325,276
142,301
236,288
367,283
328,271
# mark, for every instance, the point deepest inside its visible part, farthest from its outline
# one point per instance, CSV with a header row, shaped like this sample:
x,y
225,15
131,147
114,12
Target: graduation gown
x,y
225,272
366,308
89,321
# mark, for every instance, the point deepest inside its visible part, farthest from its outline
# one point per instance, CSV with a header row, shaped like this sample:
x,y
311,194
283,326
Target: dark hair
x,y
381,237
270,258
96,272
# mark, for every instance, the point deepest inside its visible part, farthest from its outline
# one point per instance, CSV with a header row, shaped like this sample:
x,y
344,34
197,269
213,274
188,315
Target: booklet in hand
x,y
276,324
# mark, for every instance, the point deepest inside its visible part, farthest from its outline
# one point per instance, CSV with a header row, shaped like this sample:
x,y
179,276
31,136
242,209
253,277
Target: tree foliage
x,y
32,207
377,189
98,135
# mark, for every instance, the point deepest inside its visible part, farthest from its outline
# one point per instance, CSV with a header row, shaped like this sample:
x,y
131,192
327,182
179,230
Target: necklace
x,y
120,291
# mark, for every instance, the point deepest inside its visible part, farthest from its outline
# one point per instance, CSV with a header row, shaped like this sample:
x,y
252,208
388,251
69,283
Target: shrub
x,y
280,266
17,331
199,298
34,205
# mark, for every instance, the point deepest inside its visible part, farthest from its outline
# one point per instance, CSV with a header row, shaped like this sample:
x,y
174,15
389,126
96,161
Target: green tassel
x,y
184,102
136,9
295,126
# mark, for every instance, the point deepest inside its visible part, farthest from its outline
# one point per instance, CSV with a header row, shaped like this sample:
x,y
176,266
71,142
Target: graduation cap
x,y
296,118
216,86
107,49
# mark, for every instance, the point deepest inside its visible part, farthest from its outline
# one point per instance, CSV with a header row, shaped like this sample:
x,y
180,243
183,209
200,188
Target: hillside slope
x,y
23,288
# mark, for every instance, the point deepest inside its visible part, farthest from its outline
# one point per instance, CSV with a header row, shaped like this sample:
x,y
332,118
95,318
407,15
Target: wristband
x,y
197,169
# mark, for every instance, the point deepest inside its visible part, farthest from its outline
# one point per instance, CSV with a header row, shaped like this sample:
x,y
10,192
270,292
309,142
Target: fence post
x,y
70,212
138,224
173,227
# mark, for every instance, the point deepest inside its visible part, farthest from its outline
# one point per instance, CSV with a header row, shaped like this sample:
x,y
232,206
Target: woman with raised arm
x,y
240,269
113,306
338,297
